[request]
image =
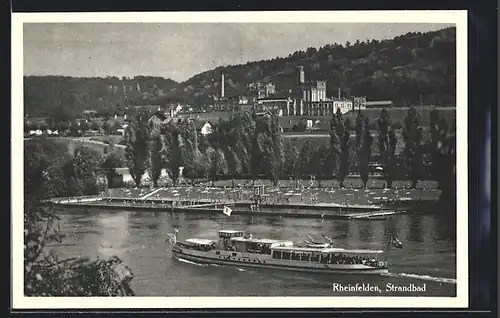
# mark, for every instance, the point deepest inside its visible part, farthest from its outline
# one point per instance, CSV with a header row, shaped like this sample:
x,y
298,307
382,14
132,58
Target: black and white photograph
x,y
252,159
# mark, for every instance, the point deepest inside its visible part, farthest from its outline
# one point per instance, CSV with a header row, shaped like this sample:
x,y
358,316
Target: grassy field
x,y
73,143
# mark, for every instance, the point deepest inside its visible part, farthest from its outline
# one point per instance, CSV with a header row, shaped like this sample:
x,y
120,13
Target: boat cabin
x,y
256,245
198,244
227,234
238,241
328,255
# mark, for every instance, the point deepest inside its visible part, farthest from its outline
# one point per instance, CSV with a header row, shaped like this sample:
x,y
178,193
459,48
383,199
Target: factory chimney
x,y
301,75
222,86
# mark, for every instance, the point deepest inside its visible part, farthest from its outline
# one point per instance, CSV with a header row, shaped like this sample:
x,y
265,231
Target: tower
x,y
222,86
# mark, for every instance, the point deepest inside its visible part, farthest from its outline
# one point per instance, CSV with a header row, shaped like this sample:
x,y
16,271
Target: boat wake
x,y
190,262
423,277
205,265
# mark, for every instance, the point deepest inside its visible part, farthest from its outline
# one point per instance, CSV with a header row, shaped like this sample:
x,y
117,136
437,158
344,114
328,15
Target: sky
x,y
180,50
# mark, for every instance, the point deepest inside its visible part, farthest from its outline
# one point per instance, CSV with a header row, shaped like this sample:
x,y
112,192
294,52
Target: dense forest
x,y
408,69
400,70
67,96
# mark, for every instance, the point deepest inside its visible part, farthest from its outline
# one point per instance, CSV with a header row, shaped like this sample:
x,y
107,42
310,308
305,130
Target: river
x,y
138,238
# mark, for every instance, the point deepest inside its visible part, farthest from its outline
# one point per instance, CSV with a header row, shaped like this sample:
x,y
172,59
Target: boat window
x,y
234,254
286,255
277,254
296,256
217,253
315,257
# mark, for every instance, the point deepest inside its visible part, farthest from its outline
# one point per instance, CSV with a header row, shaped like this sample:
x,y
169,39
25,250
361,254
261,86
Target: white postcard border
x,y
19,301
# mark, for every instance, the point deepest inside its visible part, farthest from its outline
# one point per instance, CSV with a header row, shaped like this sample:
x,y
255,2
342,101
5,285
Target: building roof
x,y
151,108
321,124
160,115
287,122
200,123
378,102
273,99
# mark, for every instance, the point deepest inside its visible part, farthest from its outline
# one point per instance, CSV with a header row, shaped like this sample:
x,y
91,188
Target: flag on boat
x,y
395,242
227,211
172,239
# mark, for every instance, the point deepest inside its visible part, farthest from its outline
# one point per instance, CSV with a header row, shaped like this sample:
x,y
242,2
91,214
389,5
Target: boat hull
x,y
305,267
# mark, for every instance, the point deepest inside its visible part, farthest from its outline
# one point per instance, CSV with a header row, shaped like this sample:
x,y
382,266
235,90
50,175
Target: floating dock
x,y
243,207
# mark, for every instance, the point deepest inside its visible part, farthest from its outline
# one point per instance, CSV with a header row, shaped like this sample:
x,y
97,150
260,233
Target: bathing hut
x,y
259,193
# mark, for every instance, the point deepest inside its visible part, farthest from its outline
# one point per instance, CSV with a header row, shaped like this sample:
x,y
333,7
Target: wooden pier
x,y
298,210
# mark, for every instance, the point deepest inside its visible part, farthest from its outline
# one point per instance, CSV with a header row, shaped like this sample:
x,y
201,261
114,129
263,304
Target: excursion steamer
x,y
235,248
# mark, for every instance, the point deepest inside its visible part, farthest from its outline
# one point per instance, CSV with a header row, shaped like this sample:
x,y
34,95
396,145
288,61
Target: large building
x,y
310,99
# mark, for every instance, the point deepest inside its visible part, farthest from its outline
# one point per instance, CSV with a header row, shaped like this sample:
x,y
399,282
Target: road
x,y
305,135
83,139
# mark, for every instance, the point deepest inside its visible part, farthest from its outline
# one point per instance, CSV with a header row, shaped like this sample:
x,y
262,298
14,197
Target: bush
x,y
46,275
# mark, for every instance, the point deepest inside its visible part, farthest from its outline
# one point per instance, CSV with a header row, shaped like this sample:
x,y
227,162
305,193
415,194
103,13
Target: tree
x,y
320,163
47,275
84,126
218,164
364,141
95,125
365,152
63,126
172,152
44,175
412,134
306,153
291,156
442,146
86,165
334,150
62,113
387,147
203,165
188,155
107,127
340,136
74,128
189,149
47,173
156,157
271,147
109,164
137,140
27,127
255,154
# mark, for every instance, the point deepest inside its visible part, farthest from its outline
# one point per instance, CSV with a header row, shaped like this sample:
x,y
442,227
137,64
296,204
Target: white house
x,y
206,129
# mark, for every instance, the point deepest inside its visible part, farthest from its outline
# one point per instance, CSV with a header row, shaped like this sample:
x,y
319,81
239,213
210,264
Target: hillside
x,y
400,69
404,70
55,95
